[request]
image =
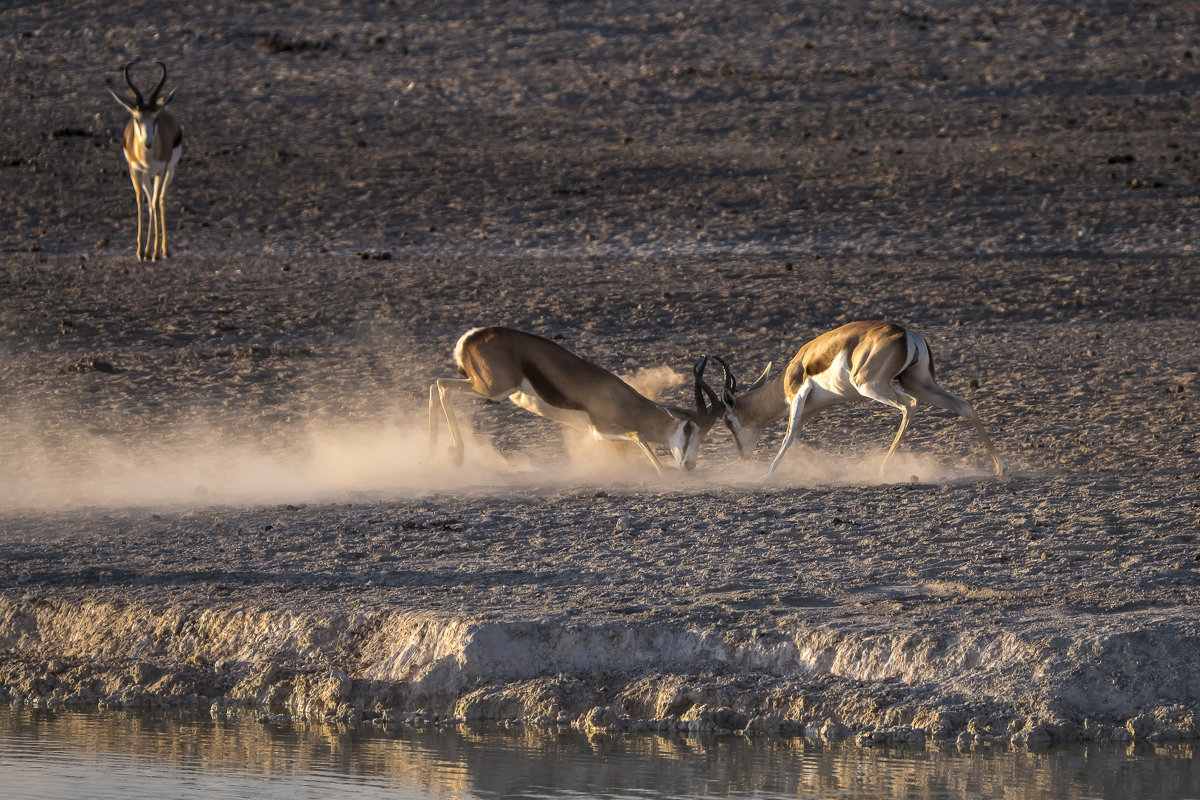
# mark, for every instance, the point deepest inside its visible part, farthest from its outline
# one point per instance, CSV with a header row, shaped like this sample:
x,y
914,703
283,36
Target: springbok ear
x,y
166,99
761,378
125,103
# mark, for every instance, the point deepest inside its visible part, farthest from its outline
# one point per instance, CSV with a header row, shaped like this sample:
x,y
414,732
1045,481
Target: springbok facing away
x,y
878,361
547,380
153,142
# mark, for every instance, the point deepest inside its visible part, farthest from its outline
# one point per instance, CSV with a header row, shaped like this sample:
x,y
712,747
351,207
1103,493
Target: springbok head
x,y
745,436
145,110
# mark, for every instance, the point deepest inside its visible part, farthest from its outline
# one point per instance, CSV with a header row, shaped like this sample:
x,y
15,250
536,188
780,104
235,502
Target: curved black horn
x,y
706,413
702,385
161,81
730,381
698,373
136,94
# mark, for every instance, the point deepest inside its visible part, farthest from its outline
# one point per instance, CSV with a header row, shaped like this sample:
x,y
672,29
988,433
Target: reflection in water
x,y
74,755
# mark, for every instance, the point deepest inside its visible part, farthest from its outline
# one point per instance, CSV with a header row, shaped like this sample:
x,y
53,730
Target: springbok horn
x,y
136,94
162,80
730,381
718,405
711,411
698,373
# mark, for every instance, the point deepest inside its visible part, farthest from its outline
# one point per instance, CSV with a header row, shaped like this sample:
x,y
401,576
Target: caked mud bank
x,y
214,484
426,669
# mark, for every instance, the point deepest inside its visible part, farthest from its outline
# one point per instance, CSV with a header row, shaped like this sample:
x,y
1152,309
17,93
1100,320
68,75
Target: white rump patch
x,y
458,346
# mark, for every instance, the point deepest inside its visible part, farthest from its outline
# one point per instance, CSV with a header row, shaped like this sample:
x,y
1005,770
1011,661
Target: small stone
x,y
834,730
1032,734
1139,727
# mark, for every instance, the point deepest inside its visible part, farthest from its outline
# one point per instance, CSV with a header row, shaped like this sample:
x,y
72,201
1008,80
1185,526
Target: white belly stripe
x,y
528,399
834,384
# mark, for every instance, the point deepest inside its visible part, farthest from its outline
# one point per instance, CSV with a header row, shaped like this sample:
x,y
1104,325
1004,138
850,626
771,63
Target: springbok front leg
x,y
439,397
160,234
795,415
633,437
138,191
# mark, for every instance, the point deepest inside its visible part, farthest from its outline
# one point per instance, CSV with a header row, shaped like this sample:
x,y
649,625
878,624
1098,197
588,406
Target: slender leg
x,y
891,396
434,403
137,196
633,437
162,212
158,228
444,387
153,191
160,239
904,420
937,396
151,223
795,412
1001,467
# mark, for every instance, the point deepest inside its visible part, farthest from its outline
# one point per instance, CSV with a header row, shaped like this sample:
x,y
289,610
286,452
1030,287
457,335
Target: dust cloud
x,y
315,460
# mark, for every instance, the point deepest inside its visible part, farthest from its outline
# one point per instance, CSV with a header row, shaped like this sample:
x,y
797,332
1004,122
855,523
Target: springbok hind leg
x,y
905,418
891,396
936,395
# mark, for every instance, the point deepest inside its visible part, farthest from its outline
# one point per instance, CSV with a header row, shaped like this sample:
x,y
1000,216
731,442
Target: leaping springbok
x,y
153,142
548,380
878,361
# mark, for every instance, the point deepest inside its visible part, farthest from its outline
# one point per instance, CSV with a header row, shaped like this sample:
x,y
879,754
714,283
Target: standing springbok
x,y
548,380
878,361
153,142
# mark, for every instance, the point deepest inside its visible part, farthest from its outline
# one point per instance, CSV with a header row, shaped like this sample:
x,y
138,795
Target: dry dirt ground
x,y
214,486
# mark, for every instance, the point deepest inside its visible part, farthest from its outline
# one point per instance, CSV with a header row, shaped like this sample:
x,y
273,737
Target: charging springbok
x,y
548,380
153,142
878,361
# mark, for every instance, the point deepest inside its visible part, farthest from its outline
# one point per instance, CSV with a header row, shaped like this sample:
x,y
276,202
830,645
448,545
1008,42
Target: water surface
x,y
60,755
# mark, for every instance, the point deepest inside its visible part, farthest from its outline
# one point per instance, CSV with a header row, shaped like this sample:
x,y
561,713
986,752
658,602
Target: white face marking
x,y
684,443
147,124
745,438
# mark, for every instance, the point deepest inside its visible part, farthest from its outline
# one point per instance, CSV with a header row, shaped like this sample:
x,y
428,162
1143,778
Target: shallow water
x,y
48,756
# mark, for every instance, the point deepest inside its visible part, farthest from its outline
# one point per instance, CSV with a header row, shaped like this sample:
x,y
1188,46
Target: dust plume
x,y
44,465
